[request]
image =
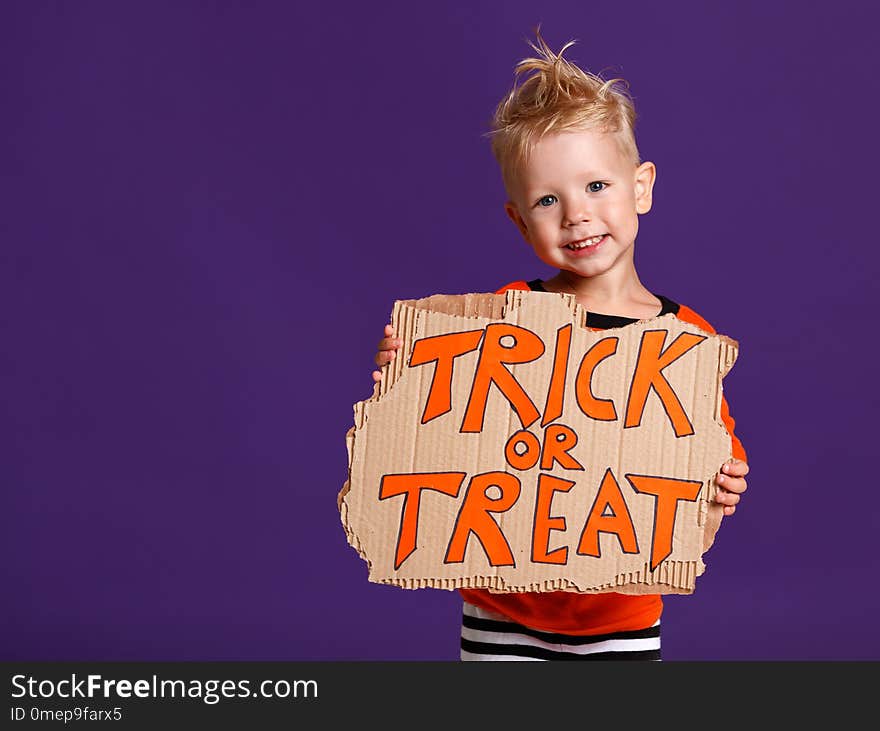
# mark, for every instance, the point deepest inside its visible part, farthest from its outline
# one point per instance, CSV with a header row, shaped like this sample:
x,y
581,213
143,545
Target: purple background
x,y
197,196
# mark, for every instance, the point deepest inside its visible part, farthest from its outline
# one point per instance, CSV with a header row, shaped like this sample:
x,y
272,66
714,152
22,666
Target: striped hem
x,y
487,635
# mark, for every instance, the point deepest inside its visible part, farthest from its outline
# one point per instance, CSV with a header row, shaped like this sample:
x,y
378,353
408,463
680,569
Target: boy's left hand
x,y
732,482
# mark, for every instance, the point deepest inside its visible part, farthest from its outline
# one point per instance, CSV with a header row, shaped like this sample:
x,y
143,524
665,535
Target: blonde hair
x,y
558,96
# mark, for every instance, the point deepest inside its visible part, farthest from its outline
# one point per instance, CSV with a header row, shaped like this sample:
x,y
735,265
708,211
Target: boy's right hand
x,y
387,350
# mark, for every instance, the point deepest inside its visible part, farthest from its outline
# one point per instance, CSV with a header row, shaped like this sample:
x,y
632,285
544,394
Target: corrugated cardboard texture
x,y
589,466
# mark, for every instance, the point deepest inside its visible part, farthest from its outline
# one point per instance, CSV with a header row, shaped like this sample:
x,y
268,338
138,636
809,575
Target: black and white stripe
x,y
486,635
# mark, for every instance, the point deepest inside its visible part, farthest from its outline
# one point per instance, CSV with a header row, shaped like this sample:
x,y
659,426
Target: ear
x,y
513,214
646,174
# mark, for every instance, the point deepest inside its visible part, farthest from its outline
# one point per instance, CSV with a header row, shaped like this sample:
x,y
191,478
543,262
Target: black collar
x,y
601,321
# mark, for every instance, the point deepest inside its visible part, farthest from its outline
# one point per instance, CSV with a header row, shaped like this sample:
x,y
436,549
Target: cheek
x,y
622,214
538,230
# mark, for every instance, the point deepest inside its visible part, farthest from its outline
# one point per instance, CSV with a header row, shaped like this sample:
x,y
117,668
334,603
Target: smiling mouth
x,y
585,243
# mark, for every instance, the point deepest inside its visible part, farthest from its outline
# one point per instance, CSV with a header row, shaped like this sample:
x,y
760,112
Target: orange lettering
x,y
649,374
667,492
527,459
559,440
544,523
443,350
556,391
526,347
595,408
411,486
609,514
474,517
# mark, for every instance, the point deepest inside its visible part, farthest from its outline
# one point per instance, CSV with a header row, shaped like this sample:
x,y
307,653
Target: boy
x,y
564,140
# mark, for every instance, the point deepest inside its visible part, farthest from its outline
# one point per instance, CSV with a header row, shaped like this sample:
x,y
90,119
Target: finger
x,y
388,344
389,331
723,497
735,467
729,509
384,357
732,484
377,376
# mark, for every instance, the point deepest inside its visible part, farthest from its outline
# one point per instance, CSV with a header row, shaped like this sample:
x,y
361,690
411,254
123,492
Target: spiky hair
x,y
551,94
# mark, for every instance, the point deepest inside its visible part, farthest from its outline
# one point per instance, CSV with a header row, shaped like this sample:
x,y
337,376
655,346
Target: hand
x,y
387,350
732,482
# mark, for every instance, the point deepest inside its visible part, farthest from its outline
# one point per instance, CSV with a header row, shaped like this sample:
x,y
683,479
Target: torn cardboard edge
x,y
397,427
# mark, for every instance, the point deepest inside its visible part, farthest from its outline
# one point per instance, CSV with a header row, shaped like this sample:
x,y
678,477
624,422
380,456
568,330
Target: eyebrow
x,y
593,175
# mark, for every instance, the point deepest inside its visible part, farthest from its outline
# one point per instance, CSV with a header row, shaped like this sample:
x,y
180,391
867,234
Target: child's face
x,y
575,186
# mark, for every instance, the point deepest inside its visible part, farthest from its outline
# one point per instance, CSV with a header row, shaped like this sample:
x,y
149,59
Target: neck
x,y
606,292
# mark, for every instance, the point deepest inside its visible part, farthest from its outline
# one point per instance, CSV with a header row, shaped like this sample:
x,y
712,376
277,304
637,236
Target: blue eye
x,y
547,200
596,190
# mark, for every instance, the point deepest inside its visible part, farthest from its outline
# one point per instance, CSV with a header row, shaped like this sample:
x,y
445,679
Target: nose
x,y
576,212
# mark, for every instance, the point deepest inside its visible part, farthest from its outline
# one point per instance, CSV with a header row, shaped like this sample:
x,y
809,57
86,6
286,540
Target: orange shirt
x,y
588,614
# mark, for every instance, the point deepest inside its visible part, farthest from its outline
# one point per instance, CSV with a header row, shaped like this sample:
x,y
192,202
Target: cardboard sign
x,y
510,447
